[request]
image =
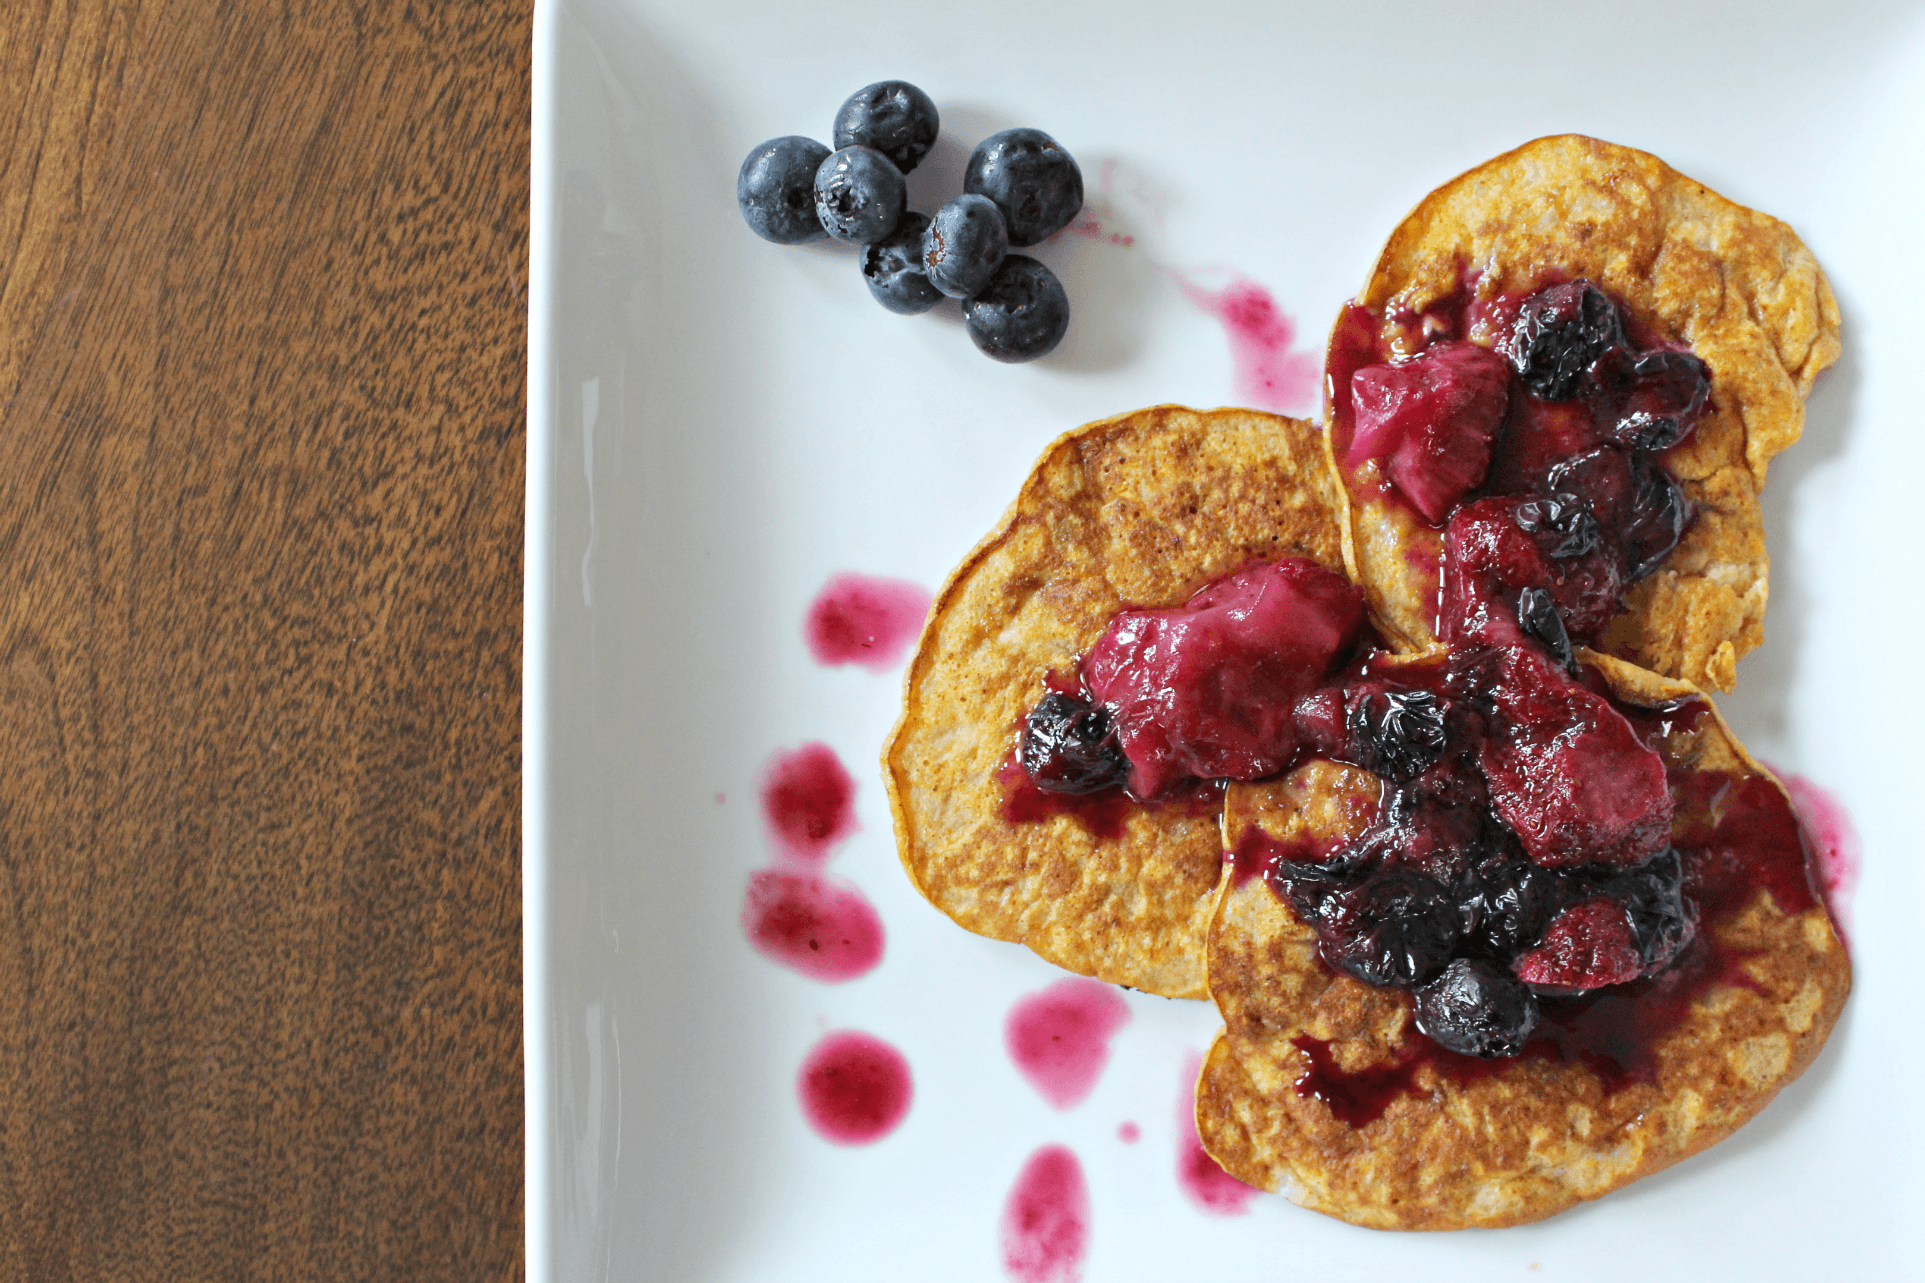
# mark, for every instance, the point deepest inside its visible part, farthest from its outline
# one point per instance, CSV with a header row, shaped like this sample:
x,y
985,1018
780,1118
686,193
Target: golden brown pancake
x,y
1735,285
1538,1134
1139,510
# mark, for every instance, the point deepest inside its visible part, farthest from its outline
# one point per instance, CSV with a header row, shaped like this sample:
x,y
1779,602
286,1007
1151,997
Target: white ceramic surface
x,y
717,425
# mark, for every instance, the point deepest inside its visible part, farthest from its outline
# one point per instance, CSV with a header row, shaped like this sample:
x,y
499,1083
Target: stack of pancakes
x,y
1142,509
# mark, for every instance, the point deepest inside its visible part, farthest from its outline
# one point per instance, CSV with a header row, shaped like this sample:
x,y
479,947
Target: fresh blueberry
x,y
1395,931
1559,333
1032,180
1397,733
1537,616
892,116
859,195
1476,1009
1565,515
964,246
776,189
1021,314
893,269
1069,746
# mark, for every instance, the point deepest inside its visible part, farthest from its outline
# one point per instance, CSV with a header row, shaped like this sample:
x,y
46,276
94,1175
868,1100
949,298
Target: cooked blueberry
x,y
1559,333
1069,746
859,195
1537,616
1397,733
1658,517
1476,1009
893,269
1395,931
1311,886
1667,394
776,189
964,246
1562,514
1663,920
1031,178
1507,903
1021,314
892,116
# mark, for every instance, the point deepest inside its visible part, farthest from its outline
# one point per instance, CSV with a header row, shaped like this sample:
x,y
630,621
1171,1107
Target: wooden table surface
x,y
262,305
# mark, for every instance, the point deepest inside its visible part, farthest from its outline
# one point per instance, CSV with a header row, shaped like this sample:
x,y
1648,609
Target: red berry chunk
x,y
1568,774
1432,420
1208,688
1490,559
1587,946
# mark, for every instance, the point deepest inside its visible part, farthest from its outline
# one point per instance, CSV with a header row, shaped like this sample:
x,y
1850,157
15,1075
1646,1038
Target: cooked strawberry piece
x,y
1587,946
1432,420
1209,688
1490,558
1567,773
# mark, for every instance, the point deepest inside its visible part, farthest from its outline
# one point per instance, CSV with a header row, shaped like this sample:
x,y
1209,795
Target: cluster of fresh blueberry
x,y
1019,188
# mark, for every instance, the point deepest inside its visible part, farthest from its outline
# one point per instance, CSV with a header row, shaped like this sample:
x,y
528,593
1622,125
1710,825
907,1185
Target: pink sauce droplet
x,y
1833,841
858,619
812,923
1129,1133
809,801
1060,1037
1207,1185
1269,376
854,1088
1046,1220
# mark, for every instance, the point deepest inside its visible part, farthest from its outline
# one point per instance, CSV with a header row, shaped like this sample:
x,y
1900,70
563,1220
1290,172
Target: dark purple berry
x,y
892,116
1069,746
964,246
1667,394
1021,314
776,189
1537,616
1657,520
892,268
1663,919
1397,734
859,195
1507,904
1312,886
1564,515
1477,1009
1558,334
1395,931
1031,178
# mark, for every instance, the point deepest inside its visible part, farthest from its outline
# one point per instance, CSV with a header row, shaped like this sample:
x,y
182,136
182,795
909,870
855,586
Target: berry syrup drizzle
x,y
793,913
1269,373
864,620
854,1088
1059,1038
1046,1219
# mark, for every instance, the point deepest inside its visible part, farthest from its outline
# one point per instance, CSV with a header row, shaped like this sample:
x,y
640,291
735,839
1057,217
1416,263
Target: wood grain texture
x,y
262,301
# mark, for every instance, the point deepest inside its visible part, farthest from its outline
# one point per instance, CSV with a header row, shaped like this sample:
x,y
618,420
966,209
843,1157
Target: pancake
x,y
1690,267
1460,1143
1138,510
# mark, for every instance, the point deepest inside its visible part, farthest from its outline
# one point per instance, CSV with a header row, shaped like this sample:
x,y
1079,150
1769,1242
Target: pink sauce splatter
x,y
1060,1037
1046,1220
1129,1133
793,912
808,799
808,922
1269,376
859,619
1833,841
854,1088
1212,1189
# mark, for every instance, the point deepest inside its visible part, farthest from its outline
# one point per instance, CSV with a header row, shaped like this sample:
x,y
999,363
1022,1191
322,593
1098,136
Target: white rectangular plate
x,y
718,425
